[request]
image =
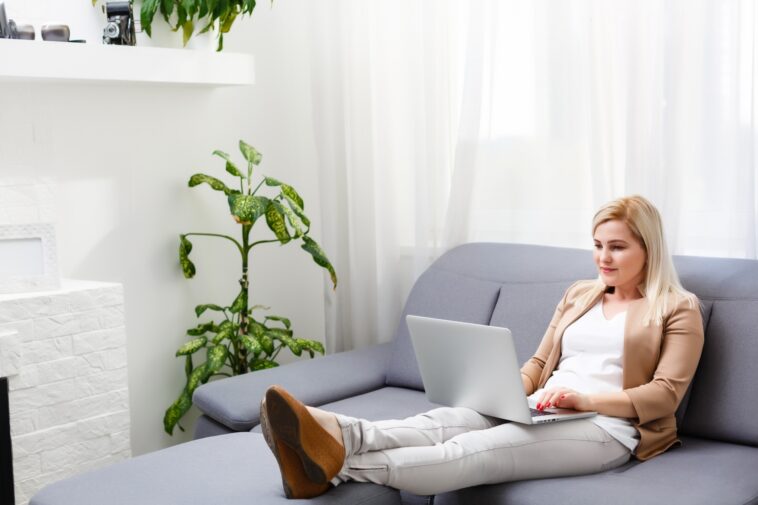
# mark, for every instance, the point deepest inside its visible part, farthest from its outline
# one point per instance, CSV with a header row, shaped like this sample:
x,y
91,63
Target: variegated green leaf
x,y
198,376
294,221
258,307
287,323
223,334
250,153
292,344
216,358
200,329
176,411
270,181
262,364
275,221
208,306
266,343
230,166
251,345
319,257
290,193
247,208
240,303
192,346
185,246
256,329
298,211
188,365
279,333
211,181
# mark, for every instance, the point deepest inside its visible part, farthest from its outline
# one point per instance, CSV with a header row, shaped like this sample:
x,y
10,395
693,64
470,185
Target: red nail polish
x,y
539,406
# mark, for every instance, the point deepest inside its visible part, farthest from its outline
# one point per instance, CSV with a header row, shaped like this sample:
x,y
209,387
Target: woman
x,y
625,345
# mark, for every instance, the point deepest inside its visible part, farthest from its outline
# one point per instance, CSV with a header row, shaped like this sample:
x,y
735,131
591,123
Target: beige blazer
x,y
659,361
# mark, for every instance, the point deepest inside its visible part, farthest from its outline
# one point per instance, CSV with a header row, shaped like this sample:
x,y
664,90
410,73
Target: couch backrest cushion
x,y
445,295
721,404
465,284
526,309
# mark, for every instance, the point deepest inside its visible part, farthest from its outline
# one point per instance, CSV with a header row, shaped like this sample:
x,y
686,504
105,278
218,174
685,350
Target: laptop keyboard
x,y
538,413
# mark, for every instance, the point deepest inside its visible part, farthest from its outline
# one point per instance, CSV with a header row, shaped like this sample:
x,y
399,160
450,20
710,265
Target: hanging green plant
x,y
194,16
235,340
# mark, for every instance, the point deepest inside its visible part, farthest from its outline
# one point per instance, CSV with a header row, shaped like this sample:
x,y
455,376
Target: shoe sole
x,y
288,462
286,425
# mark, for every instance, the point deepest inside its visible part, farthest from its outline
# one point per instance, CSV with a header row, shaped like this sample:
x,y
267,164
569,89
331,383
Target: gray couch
x,y
500,284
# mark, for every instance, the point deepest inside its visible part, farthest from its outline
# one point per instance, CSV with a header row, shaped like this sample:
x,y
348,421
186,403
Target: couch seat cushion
x,y
235,469
701,472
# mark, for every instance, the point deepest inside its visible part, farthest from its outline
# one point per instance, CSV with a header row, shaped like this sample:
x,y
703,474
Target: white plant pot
x,y
163,36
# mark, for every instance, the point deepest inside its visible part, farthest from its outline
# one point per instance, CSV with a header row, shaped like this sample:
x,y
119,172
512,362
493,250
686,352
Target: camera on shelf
x,y
120,27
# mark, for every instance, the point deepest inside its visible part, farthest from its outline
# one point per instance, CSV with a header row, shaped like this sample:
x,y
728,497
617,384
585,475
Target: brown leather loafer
x,y
295,482
322,456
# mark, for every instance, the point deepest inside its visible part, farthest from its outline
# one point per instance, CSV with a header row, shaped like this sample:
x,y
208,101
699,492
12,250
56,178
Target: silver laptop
x,y
475,366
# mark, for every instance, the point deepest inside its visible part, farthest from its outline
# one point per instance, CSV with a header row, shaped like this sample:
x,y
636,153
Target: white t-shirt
x,y
591,351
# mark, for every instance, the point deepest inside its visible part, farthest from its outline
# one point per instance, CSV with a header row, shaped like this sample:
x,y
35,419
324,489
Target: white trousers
x,y
453,448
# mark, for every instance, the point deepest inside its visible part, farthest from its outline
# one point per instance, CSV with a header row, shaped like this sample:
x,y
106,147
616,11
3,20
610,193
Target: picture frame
x,y
28,258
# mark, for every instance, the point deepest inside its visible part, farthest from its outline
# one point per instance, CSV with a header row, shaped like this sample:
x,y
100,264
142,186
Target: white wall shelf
x,y
36,60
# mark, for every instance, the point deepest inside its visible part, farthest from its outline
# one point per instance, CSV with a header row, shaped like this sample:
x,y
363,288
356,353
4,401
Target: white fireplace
x,y
64,354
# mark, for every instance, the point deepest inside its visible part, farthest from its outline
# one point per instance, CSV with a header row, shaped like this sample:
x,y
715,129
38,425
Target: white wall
x,y
120,156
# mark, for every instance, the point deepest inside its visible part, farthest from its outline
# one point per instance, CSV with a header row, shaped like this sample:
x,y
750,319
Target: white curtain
x,y
443,122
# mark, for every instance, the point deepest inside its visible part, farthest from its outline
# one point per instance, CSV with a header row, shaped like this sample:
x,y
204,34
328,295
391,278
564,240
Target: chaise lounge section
x,y
509,285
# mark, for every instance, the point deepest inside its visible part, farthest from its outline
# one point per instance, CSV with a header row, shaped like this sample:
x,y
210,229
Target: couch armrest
x,y
235,402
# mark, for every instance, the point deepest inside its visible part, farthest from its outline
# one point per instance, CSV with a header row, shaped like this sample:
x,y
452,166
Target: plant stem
x,y
263,242
241,351
239,247
258,186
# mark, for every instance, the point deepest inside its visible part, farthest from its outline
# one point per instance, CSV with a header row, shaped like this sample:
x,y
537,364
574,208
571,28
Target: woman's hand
x,y
564,398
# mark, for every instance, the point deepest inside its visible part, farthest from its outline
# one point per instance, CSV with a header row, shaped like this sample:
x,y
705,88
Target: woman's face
x,y
619,256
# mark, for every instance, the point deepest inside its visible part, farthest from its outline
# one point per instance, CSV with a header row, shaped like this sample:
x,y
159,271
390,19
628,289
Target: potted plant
x,y
236,339
194,16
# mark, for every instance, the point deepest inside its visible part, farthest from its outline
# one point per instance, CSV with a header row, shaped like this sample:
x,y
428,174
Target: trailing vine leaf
x,y
192,346
319,257
250,153
208,306
147,13
214,183
262,364
185,246
276,223
247,208
258,307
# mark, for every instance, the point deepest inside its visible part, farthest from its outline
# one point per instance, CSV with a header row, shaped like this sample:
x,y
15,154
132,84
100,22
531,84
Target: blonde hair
x,y
661,279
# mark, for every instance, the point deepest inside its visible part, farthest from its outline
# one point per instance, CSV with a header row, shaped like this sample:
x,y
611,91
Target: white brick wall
x,y
64,353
